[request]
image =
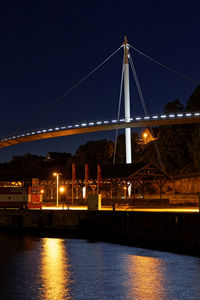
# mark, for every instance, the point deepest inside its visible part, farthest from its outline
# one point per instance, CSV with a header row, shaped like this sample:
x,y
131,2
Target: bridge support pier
x,y
127,102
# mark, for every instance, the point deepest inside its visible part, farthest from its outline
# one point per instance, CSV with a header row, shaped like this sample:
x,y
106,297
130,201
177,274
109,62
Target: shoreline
x,y
170,232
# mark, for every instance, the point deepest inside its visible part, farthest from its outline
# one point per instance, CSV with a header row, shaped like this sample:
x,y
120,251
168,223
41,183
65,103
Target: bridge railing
x,y
95,123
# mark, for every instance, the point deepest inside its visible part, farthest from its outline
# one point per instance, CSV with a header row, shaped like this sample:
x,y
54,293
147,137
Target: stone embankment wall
x,y
187,185
180,190
182,199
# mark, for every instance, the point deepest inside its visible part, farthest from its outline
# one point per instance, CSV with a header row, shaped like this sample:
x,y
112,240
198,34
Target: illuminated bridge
x,y
103,125
95,126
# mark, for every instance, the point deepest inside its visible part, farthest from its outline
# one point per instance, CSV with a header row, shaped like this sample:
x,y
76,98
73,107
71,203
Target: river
x,y
54,268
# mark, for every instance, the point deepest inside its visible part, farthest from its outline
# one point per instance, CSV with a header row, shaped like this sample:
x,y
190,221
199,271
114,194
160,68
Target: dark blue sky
x,y
48,46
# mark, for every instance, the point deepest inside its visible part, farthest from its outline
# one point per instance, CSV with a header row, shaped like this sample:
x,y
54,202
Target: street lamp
x,y
57,181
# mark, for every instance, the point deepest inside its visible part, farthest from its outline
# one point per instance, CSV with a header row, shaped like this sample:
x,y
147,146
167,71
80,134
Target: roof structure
x,y
137,171
121,170
149,172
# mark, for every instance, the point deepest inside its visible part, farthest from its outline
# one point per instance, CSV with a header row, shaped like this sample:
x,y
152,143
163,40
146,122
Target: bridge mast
x,y
127,102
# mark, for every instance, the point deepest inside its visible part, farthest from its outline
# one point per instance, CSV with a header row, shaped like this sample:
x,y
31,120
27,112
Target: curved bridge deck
x,y
88,127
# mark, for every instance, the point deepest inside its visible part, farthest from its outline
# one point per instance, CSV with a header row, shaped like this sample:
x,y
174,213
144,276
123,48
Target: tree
x,y
174,107
57,159
121,151
193,103
26,161
94,152
179,148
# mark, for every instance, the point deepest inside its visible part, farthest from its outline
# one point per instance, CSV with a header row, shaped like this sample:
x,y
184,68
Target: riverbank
x,y
172,232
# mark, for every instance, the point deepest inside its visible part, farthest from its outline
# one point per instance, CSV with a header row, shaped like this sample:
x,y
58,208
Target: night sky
x,y
48,46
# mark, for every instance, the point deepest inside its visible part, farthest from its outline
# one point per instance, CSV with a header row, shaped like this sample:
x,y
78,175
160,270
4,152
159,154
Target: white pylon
x,y
127,102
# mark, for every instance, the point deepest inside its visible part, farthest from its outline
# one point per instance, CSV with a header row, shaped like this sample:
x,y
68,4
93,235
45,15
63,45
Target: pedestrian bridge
x,y
95,126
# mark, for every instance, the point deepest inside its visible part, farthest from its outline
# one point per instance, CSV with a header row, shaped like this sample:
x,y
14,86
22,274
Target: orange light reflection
x,y
146,278
55,274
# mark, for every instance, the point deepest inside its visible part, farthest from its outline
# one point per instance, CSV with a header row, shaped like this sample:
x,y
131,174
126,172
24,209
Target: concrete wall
x,y
175,232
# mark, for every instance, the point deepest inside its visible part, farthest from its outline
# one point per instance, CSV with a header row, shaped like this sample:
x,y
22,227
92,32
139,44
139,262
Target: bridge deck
x,y
190,118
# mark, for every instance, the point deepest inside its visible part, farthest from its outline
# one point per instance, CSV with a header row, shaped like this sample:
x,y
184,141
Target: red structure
x,y
34,195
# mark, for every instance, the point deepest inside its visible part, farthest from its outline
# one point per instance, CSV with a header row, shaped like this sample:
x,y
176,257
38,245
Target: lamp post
x,y
57,185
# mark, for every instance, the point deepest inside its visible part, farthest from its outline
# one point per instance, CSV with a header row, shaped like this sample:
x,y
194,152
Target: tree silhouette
x,y
174,107
193,103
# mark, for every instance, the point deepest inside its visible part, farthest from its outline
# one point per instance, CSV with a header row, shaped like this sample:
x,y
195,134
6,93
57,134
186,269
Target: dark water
x,y
51,268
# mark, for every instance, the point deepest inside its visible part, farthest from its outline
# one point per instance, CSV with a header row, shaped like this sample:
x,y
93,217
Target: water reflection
x,y
146,278
55,273
47,269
